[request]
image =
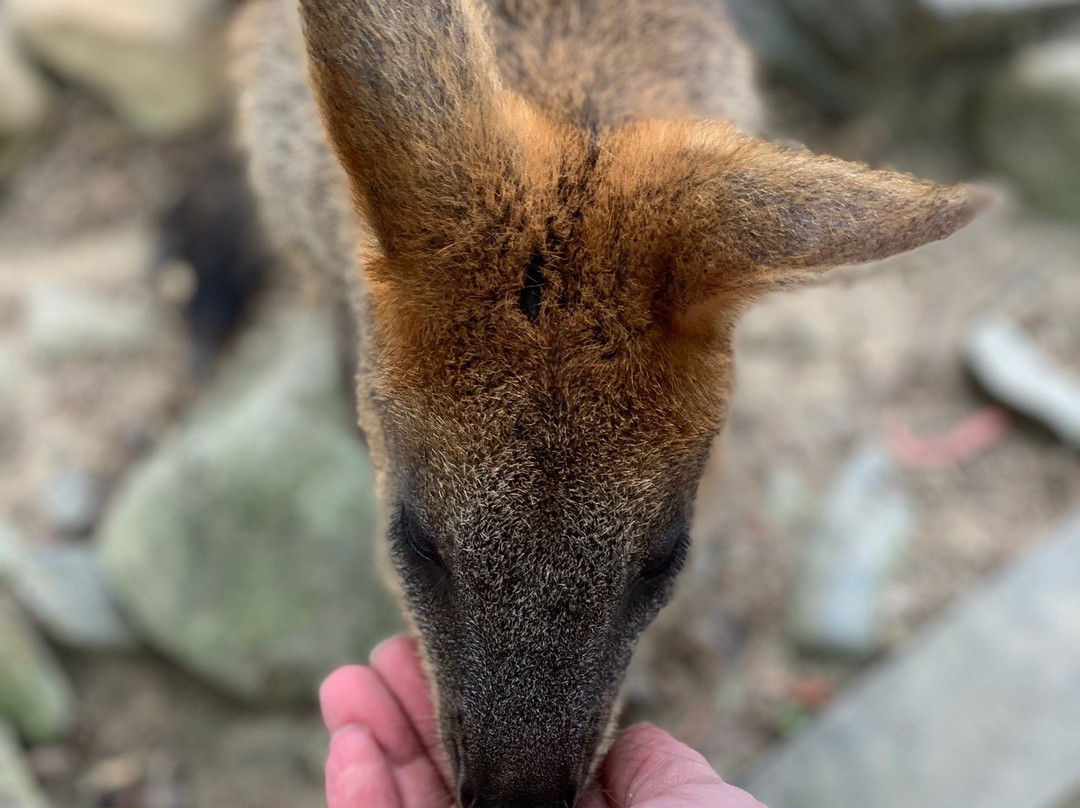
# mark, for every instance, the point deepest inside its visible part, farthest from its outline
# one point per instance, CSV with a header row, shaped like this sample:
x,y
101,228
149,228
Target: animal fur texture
x,y
549,214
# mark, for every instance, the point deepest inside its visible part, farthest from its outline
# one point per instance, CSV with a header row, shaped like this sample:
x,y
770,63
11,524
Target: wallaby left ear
x,y
410,96
745,216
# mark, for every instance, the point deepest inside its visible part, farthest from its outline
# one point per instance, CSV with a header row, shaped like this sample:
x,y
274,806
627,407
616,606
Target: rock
x,y
34,693
65,323
160,64
981,712
244,548
260,743
787,501
960,9
865,524
814,44
111,256
25,98
11,372
1029,125
12,552
785,50
1014,369
63,588
17,786
25,102
71,502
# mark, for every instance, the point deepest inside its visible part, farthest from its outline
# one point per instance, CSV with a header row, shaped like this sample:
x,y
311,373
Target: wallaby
x,y
549,214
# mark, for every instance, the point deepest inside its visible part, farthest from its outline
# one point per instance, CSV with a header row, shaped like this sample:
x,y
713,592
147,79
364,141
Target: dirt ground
x,y
820,372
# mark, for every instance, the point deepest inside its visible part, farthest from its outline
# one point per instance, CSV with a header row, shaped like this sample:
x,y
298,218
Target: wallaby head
x,y
549,359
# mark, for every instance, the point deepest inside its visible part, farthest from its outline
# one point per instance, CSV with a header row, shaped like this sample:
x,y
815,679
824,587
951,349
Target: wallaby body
x,y
549,215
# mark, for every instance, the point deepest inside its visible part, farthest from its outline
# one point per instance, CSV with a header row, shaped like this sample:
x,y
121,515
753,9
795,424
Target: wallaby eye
x,y
673,558
417,541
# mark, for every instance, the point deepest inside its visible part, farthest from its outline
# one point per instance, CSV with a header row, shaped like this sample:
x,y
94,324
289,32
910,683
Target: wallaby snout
x,y
526,729
558,215
538,774
528,639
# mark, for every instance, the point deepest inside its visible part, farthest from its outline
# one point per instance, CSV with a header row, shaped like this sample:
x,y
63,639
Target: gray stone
x,y
67,323
35,695
1014,369
1073,802
788,502
25,104
865,524
25,98
71,502
813,44
981,712
17,786
960,9
158,63
63,588
11,372
244,548
109,257
12,551
1029,125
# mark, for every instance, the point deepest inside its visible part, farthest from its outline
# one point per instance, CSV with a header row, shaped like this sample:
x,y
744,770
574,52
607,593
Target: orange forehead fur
x,y
602,360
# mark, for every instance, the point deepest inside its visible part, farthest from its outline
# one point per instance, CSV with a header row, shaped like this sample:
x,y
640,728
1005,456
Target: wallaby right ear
x,y
738,217
407,91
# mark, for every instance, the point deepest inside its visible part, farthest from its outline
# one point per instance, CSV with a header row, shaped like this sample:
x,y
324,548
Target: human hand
x,y
385,753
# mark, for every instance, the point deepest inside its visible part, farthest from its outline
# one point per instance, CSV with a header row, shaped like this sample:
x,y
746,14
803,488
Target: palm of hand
x,y
384,752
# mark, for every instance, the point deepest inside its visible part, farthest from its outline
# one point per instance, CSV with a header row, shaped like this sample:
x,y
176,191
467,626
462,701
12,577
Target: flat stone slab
x,y
984,712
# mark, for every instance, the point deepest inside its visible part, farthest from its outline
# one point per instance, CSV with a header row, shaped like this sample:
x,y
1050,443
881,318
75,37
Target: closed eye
x,y
418,542
669,563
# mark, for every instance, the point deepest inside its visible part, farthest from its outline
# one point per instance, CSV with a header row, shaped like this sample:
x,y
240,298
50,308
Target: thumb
x,y
648,768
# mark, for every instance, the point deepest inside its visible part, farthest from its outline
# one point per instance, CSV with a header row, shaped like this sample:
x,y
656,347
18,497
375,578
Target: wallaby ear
x,y
407,91
744,216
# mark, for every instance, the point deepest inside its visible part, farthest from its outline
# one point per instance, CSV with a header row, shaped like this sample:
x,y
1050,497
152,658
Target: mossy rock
x,y
244,548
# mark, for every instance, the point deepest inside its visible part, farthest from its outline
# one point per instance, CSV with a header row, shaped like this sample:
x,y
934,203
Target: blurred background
x,y
883,607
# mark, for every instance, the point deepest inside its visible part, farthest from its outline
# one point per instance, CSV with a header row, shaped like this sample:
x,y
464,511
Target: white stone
x,y
864,526
64,322
25,97
1012,367
159,62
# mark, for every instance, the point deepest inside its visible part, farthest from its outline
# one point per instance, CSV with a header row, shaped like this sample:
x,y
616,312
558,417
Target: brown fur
x,y
554,245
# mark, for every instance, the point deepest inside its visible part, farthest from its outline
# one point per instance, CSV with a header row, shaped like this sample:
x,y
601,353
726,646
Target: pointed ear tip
x,y
979,197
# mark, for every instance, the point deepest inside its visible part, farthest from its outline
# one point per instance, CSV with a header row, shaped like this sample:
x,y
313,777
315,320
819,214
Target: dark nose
x,y
473,797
